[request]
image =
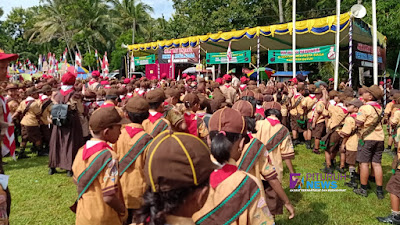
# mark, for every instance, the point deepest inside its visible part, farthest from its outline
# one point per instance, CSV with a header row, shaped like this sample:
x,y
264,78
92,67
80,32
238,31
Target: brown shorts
x,y
393,186
45,130
285,121
294,125
30,133
334,142
370,152
275,204
319,131
351,157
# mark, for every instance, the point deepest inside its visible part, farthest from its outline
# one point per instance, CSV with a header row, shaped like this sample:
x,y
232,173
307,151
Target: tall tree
x,y
132,14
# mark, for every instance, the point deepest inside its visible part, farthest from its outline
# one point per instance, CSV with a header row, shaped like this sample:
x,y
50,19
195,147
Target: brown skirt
x,y
31,134
45,130
319,131
351,157
65,142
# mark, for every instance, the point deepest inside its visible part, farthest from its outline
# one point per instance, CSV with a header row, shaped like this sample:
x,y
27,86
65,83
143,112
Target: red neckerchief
x,y
273,121
250,135
354,115
297,95
166,103
92,82
360,98
132,131
141,93
65,93
107,104
343,108
122,97
312,97
93,148
242,87
260,111
374,104
129,95
227,85
155,117
393,102
220,175
43,98
190,119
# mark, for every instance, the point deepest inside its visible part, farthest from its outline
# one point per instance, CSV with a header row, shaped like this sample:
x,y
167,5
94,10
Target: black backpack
x,y
59,114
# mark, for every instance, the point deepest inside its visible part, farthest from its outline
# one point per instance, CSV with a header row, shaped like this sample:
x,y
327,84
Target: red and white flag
x,y
8,143
229,53
105,64
78,61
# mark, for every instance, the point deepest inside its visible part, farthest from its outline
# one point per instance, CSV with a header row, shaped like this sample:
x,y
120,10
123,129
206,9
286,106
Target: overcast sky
x,y
161,7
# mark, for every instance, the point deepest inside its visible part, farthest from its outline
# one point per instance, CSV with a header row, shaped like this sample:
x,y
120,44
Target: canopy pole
x,y
336,77
375,42
258,60
198,75
384,89
350,51
294,38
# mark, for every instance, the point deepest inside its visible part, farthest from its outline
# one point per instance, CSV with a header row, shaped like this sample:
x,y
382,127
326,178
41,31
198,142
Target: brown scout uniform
x,y
229,93
246,202
348,130
374,142
296,112
277,139
91,207
132,151
29,124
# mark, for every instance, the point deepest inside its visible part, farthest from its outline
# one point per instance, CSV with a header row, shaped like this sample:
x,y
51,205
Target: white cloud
x,y
161,7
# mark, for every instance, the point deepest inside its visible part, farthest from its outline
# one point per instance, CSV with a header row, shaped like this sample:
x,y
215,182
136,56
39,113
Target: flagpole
x,y
375,41
350,51
336,77
294,38
258,60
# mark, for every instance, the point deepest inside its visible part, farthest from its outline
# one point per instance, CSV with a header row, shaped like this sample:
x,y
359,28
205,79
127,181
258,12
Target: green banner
x,y
303,55
237,57
144,60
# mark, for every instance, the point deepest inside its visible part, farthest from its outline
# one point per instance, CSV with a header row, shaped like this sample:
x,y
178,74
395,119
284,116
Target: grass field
x,y
38,198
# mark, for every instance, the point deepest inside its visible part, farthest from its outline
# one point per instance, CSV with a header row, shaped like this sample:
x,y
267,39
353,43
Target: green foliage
x,y
89,59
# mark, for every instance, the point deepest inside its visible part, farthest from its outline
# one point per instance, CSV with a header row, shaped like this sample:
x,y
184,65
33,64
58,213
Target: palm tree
x,y
52,24
132,14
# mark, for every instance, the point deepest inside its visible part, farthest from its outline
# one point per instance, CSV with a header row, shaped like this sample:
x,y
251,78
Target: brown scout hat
x,y
31,90
112,93
375,91
11,87
333,94
228,120
176,161
191,98
156,95
356,102
396,97
259,97
104,118
46,88
247,93
172,92
137,105
244,107
272,105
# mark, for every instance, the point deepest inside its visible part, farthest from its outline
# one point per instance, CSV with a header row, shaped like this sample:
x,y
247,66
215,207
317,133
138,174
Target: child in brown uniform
x,y
132,149
156,123
297,120
350,141
235,197
95,170
177,171
371,144
29,110
308,105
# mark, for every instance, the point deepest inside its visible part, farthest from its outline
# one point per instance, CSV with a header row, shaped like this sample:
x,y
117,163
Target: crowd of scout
x,y
200,152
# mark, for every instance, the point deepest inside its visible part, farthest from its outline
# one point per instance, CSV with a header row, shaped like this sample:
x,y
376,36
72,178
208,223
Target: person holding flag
x,y
228,56
105,64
